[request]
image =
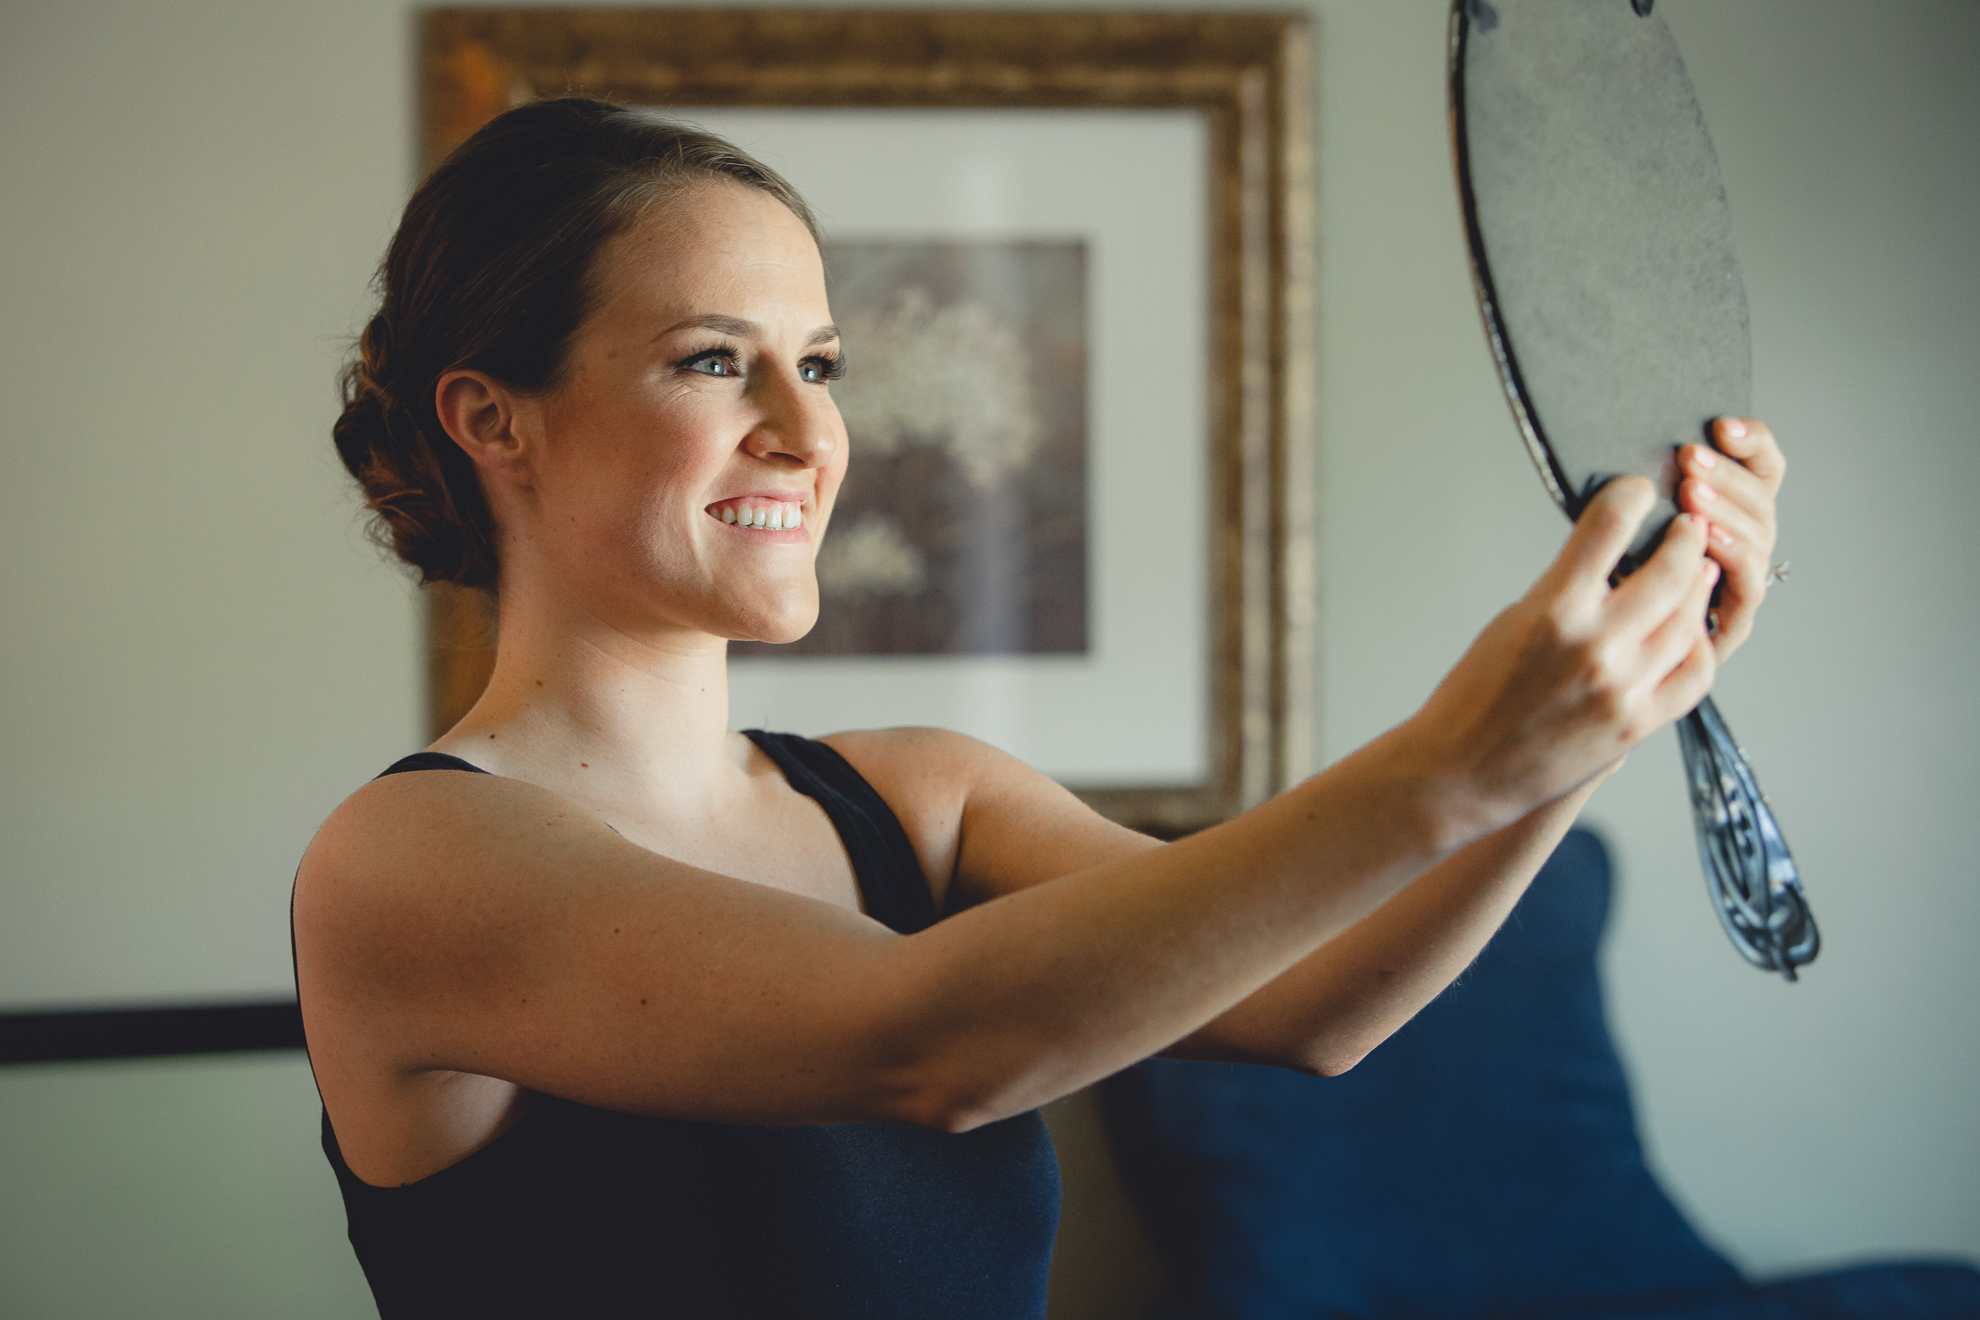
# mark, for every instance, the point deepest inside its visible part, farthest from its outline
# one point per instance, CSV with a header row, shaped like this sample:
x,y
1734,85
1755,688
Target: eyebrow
x,y
741,329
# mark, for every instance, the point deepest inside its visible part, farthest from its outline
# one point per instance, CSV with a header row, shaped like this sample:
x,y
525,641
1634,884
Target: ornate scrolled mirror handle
x,y
1749,872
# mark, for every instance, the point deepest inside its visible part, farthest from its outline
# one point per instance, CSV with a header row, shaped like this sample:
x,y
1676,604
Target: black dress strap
x,y
429,761
890,876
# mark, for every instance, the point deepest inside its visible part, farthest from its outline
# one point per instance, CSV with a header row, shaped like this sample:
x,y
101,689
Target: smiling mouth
x,y
757,513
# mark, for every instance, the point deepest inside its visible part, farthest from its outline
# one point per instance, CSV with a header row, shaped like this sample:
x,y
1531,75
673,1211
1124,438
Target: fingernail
x,y
1734,427
1703,493
1721,535
1703,458
1711,570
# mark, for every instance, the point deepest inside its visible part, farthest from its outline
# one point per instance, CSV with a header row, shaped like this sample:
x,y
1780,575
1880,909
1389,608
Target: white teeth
x,y
770,517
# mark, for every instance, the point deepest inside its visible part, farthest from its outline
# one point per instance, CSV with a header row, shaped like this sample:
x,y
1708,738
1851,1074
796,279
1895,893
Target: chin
x,y
777,625
778,636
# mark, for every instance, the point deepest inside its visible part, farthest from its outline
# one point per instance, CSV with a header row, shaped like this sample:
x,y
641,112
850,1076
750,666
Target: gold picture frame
x,y
1246,74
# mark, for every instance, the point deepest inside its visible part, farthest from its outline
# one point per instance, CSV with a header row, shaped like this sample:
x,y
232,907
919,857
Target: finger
x,y
1717,483
1603,532
1753,444
1739,604
1747,578
1683,628
1654,590
1745,550
1689,682
1746,564
1732,528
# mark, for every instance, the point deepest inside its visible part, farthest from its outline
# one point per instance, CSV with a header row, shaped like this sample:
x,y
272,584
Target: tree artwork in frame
x,y
963,531
1068,256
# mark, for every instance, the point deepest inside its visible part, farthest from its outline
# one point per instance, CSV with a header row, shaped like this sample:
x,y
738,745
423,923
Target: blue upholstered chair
x,y
1483,1163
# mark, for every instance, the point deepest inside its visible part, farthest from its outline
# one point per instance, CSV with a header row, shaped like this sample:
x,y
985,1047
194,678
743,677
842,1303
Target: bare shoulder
x,y
396,811
457,924
982,822
485,925
407,860
412,827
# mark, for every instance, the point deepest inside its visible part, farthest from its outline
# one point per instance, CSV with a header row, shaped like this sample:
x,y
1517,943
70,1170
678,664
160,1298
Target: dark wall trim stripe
x,y
139,1033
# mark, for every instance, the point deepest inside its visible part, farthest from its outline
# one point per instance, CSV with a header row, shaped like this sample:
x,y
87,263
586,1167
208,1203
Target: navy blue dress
x,y
578,1211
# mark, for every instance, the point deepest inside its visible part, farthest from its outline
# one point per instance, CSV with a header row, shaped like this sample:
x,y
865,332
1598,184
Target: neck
x,y
584,707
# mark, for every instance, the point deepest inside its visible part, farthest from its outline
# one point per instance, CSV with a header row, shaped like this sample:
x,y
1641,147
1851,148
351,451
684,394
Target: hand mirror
x,y
1602,253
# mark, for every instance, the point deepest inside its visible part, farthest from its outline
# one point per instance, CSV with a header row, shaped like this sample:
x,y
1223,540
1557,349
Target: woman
x,y
616,1012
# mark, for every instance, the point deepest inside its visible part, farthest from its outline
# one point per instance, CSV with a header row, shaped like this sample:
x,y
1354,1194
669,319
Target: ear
x,y
486,418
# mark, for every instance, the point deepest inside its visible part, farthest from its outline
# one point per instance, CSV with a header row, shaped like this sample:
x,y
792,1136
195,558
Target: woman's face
x,y
689,462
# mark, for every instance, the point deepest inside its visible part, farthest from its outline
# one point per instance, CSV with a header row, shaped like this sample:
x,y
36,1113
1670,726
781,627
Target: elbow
x,y
1332,1060
947,1114
1321,1055
955,1110
1336,1065
1332,1049
959,1119
954,1101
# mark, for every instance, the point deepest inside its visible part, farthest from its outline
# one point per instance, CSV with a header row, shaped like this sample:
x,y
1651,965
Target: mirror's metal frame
x,y
1750,874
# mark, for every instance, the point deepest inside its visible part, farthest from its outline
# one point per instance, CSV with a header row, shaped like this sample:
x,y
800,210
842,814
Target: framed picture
x,y
1069,258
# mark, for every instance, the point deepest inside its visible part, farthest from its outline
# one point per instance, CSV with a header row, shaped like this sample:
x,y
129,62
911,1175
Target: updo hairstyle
x,y
491,269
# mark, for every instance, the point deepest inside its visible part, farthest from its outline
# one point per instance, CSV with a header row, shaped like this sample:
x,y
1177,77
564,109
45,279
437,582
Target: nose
x,y
797,425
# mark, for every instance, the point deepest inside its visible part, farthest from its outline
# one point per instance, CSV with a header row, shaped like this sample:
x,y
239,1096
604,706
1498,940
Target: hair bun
x,y
376,359
407,488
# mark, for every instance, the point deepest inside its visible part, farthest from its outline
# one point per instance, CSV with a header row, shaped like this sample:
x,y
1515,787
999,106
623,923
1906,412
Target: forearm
x,y
1334,1006
1042,991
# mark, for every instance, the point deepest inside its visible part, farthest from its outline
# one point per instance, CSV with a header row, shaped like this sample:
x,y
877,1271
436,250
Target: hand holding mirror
x,y
1602,253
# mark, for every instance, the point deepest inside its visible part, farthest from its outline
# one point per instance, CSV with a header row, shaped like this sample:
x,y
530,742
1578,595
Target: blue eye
x,y
819,370
720,363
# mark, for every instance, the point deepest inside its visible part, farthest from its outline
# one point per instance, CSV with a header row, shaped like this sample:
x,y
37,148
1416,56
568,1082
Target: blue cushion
x,y
1482,1162
1909,1291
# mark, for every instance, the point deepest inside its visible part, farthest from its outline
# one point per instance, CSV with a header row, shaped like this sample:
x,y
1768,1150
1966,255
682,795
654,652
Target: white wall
x,y
1852,142
171,1189
199,654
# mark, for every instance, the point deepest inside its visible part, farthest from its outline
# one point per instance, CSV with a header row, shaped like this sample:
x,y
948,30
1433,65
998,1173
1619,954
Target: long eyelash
x,y
721,351
834,365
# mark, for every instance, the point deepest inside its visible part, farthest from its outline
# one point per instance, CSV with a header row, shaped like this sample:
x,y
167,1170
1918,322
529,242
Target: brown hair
x,y
491,270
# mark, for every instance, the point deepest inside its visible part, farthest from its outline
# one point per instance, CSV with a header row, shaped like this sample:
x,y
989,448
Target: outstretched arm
x,y
1335,1005
454,924
1639,651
